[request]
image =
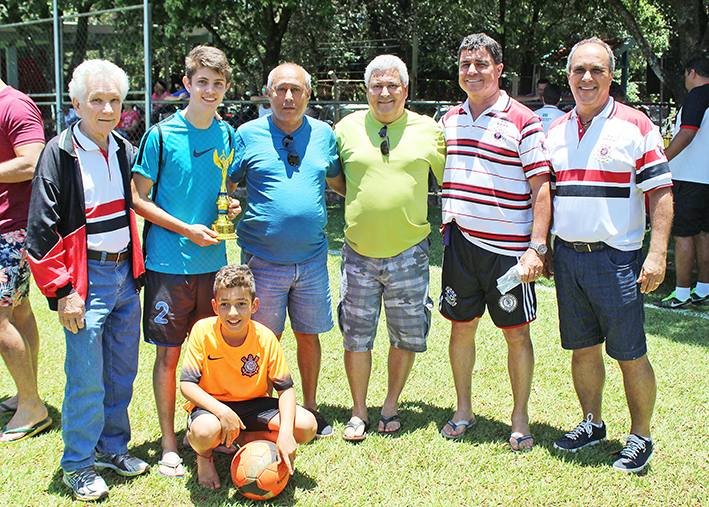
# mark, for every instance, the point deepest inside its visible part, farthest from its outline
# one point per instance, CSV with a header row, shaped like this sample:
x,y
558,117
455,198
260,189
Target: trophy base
x,y
225,231
226,236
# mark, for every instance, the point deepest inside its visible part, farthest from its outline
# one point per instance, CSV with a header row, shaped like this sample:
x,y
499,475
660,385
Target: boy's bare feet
x,y
206,473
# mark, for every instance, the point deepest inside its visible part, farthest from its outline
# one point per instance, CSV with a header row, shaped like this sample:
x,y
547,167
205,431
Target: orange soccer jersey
x,y
234,373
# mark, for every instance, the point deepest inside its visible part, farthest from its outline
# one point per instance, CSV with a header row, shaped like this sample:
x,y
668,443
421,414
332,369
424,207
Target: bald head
x,y
288,94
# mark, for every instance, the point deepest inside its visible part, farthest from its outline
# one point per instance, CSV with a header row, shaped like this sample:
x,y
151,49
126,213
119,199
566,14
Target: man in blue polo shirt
x,y
286,158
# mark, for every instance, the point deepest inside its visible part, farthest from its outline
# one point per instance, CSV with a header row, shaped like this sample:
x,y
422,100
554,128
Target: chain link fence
x,y
28,62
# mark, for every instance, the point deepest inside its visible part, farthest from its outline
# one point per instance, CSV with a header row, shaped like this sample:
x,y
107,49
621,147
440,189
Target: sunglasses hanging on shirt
x,y
289,144
384,147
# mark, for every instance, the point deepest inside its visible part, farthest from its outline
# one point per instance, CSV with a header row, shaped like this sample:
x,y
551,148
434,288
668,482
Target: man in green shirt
x,y
386,153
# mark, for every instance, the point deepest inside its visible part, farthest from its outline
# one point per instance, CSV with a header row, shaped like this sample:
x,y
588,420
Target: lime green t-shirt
x,y
387,196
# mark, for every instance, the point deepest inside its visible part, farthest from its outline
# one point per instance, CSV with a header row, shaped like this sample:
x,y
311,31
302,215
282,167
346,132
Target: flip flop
x,y
519,438
4,409
176,467
455,427
356,423
386,420
26,432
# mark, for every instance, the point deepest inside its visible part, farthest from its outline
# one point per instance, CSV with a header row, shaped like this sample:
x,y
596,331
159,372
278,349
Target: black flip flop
x,y
386,420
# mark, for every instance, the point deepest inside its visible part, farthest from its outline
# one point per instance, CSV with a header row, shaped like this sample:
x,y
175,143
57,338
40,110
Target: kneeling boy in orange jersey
x,y
225,375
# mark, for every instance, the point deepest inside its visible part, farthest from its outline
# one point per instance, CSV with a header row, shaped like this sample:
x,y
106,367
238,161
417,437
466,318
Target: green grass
x,y
419,467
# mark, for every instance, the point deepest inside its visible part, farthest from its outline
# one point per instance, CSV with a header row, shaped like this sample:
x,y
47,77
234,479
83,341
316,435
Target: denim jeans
x,y
303,289
101,364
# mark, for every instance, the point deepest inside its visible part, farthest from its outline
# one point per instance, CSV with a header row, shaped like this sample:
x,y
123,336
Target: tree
x,y
687,22
249,32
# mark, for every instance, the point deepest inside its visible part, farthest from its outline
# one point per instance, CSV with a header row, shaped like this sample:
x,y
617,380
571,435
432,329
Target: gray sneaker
x,y
124,464
86,484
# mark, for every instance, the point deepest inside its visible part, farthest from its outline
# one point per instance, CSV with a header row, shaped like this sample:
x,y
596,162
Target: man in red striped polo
x,y
605,157
496,214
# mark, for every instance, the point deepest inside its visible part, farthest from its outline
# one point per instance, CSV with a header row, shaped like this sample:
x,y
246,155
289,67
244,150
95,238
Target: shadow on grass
x,y
147,451
678,326
417,415
52,412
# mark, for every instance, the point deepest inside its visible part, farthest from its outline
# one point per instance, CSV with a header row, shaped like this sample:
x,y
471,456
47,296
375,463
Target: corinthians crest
x,y
508,303
251,366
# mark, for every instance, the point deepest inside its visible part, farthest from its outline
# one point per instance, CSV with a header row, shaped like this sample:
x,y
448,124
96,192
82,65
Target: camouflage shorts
x,y
14,268
401,282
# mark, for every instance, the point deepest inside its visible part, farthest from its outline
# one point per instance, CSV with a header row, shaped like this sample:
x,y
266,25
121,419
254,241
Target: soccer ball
x,y
255,472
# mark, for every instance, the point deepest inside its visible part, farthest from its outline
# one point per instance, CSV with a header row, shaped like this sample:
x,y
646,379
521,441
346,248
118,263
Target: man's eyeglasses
x,y
289,144
384,147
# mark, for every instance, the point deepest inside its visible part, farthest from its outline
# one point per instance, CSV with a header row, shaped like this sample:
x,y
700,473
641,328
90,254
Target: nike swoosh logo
x,y
195,154
213,358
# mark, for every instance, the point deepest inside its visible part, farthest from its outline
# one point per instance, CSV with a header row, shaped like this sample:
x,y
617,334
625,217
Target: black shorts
x,y
255,414
691,205
469,283
173,303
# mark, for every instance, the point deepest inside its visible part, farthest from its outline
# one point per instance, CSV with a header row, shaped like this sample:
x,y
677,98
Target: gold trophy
x,y
222,225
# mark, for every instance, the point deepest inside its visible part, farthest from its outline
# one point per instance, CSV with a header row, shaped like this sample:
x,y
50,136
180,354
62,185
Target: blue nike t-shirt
x,y
285,219
188,186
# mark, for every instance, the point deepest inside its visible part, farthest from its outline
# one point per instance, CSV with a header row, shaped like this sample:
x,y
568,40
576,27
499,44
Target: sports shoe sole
x,y
682,305
84,498
576,449
634,470
99,465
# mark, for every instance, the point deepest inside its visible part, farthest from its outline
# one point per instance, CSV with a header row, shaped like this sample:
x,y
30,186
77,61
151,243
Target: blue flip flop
x,y
455,427
519,438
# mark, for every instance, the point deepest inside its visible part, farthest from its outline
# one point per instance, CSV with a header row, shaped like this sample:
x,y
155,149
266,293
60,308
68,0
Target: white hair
x,y
91,71
385,63
306,76
592,40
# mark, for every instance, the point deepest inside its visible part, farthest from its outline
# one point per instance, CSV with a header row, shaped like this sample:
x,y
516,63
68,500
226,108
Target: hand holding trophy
x,y
222,225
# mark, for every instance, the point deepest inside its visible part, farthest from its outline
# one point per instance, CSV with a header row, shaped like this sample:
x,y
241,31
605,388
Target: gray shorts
x,y
401,282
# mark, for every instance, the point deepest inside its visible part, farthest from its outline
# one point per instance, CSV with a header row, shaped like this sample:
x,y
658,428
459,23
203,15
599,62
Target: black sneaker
x,y
671,301
124,464
583,435
635,455
324,428
699,300
86,484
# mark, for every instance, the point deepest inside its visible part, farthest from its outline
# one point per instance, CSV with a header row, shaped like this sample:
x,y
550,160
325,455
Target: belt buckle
x,y
582,247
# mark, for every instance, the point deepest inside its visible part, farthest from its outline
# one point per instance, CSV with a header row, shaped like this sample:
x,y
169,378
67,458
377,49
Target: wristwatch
x,y
540,248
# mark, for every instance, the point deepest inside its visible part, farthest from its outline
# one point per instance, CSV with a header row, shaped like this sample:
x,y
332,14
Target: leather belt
x,y
584,247
107,257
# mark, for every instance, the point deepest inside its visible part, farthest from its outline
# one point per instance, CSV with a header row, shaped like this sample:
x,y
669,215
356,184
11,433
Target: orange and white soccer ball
x,y
256,473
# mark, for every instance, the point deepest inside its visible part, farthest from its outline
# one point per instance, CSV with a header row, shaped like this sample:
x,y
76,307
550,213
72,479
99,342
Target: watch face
x,y
540,248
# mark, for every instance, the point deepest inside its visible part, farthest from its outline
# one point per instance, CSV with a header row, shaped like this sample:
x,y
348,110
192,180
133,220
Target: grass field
x,y
420,468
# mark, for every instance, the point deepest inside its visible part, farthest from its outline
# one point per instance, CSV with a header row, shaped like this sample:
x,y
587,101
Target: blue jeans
x,y
303,289
101,364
